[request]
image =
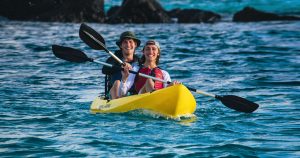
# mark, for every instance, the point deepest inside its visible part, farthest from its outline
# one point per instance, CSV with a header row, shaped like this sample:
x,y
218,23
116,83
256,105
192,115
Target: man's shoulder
x,y
111,60
137,60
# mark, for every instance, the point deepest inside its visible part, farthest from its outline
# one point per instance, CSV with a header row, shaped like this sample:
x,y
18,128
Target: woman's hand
x,y
125,72
174,83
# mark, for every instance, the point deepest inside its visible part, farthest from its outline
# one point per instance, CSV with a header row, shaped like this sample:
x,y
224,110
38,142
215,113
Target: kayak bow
x,y
173,101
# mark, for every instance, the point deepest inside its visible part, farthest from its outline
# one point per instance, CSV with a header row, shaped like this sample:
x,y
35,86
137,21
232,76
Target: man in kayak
x,y
127,43
150,60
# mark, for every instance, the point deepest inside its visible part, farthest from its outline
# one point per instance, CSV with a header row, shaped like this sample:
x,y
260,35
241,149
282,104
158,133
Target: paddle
x,y
75,55
96,41
70,54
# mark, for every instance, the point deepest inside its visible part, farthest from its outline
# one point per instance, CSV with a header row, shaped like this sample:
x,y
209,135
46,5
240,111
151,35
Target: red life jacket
x,y
156,72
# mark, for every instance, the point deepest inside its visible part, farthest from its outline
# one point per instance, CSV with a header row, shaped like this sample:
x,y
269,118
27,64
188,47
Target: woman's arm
x,y
166,77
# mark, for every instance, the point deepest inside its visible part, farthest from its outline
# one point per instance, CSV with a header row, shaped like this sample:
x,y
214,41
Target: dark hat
x,y
130,35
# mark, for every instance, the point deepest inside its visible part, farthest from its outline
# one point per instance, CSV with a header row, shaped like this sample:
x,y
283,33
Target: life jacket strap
x,y
105,88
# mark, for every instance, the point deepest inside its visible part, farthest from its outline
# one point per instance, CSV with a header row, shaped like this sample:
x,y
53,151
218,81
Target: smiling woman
x,y
150,61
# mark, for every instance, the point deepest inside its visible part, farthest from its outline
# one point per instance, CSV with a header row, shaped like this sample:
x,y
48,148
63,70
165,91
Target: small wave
x,y
152,114
282,83
37,48
236,147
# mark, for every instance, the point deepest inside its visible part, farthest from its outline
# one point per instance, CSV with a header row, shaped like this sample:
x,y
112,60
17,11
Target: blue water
x,y
44,101
226,7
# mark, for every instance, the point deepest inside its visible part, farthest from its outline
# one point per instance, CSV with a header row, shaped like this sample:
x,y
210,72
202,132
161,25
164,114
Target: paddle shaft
x,y
154,78
104,47
75,55
133,72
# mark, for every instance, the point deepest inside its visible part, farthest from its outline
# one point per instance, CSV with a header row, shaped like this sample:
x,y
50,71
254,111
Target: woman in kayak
x,y
150,60
127,43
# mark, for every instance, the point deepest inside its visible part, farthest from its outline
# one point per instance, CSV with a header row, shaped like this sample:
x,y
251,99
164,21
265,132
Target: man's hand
x,y
125,72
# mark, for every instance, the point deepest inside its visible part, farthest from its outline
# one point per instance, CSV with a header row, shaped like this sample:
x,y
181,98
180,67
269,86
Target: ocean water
x,y
44,101
226,7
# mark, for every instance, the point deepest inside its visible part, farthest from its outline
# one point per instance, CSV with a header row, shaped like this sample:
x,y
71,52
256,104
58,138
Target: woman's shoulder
x,y
165,72
162,70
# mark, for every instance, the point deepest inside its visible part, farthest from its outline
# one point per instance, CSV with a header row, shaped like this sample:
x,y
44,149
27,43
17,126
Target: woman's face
x,y
151,52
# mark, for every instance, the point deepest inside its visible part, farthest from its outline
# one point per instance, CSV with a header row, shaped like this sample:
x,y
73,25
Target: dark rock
x,y
140,11
113,10
174,12
249,14
194,16
53,10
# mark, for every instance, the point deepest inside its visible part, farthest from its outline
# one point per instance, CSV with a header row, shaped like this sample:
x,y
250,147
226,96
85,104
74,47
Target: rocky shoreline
x,y
131,11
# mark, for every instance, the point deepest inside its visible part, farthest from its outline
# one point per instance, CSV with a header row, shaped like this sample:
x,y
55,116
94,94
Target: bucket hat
x,y
130,35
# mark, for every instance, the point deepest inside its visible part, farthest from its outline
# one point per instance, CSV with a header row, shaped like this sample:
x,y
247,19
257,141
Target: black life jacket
x,y
110,71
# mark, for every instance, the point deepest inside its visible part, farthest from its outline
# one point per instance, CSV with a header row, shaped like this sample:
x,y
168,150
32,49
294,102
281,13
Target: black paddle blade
x,y
70,54
238,103
92,38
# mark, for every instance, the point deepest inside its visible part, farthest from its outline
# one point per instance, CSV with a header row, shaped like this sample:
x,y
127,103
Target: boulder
x,y
53,10
249,14
140,11
113,10
174,12
194,16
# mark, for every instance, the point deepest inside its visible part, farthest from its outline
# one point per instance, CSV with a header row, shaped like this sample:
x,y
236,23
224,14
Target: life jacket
x,y
156,72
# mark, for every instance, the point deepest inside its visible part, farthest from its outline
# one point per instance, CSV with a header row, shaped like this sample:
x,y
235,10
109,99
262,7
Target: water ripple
x,y
45,101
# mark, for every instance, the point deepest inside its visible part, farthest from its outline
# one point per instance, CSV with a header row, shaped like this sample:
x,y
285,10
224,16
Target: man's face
x,y
128,46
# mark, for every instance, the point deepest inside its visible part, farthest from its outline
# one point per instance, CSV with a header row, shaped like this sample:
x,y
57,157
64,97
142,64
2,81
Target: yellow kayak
x,y
173,101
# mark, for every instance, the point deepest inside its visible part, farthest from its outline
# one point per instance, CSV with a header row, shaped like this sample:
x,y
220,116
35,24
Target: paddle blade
x,y
238,103
70,54
92,38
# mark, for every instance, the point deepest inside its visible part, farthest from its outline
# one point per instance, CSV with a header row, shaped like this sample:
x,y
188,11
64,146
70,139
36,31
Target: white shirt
x,y
124,87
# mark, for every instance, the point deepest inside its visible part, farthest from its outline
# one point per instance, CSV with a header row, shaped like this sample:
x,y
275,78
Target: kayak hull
x,y
173,101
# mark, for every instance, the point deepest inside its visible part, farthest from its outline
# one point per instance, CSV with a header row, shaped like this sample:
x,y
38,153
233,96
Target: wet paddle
x,y
75,55
70,54
96,41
